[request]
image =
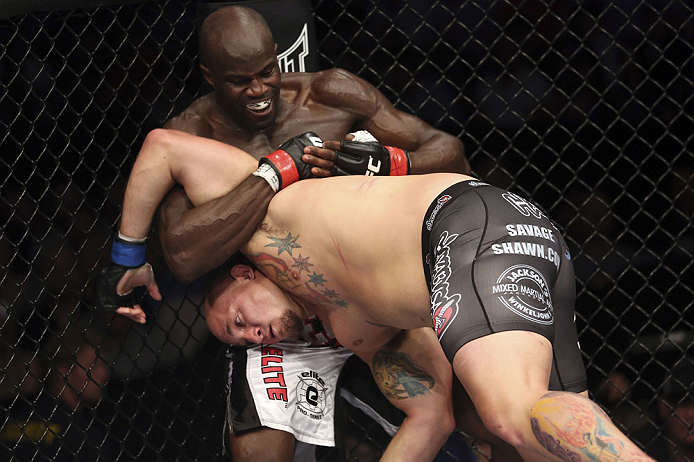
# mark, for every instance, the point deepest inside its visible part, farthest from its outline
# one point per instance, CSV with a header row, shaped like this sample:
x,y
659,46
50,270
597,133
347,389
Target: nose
x,y
255,335
257,88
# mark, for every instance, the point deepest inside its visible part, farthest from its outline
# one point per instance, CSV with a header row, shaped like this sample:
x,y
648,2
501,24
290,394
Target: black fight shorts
x,y
494,262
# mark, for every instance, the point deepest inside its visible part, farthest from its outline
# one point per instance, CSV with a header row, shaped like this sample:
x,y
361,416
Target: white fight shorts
x,y
289,386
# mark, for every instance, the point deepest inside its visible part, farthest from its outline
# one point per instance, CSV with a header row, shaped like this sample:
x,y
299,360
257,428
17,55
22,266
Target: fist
x,y
371,159
286,161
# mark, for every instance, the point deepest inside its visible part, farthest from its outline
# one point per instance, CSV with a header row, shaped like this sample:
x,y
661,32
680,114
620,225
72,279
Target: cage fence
x,y
583,107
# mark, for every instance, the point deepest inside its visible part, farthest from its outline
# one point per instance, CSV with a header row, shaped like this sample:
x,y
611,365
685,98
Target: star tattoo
x,y
285,245
330,293
340,303
301,263
316,279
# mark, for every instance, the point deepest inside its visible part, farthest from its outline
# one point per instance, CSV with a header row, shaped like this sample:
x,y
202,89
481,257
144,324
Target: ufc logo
x,y
316,141
372,169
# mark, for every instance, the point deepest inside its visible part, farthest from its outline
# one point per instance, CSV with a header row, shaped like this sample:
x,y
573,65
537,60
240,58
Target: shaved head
x,y
234,32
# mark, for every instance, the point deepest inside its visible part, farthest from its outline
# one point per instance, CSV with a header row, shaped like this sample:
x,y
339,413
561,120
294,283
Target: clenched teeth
x,y
260,105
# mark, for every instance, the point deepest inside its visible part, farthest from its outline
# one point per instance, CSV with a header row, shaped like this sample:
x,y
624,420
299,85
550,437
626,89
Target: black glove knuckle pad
x,y
292,168
358,158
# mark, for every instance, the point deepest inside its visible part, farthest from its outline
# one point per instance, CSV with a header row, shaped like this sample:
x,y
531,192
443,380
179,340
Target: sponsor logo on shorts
x,y
527,248
444,306
522,229
440,202
273,373
477,183
524,291
310,395
524,207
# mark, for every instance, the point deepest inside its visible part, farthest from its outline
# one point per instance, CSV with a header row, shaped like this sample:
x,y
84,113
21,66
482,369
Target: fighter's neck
x,y
305,308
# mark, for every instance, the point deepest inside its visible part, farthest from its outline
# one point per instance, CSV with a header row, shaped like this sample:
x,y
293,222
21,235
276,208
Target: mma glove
x,y
284,166
371,158
125,256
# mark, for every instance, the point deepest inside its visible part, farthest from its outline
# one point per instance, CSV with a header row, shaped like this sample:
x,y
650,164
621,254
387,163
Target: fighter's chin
x,y
292,326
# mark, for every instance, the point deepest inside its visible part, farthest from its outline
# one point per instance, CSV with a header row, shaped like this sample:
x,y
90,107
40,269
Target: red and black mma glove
x,y
371,159
125,255
284,166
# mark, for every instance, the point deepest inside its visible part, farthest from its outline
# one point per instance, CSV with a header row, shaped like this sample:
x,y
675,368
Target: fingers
x,y
153,290
135,314
332,146
321,159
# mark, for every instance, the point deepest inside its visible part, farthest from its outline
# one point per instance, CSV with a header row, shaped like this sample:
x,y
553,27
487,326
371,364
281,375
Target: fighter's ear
x,y
207,75
242,272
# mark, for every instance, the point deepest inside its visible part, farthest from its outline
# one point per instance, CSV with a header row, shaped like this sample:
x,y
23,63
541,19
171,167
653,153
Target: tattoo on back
x,y
399,377
290,274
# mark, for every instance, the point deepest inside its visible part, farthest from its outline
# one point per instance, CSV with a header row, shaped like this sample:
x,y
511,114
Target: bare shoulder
x,y
341,88
195,119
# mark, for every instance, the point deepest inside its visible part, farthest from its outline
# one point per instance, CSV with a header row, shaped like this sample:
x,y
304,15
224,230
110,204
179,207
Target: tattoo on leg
x,y
552,445
399,377
575,428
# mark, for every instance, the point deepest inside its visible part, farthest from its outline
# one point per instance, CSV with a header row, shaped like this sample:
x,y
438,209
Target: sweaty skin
x,y
375,287
330,103
253,107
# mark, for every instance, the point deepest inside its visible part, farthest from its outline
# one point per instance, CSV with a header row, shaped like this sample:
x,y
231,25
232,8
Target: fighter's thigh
x,y
252,446
504,370
568,370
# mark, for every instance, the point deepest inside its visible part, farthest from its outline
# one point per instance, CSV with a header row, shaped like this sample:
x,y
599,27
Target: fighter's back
x,y
359,237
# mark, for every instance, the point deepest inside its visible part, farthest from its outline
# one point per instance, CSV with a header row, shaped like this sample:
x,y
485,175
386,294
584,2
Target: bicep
x,y
375,113
209,169
412,371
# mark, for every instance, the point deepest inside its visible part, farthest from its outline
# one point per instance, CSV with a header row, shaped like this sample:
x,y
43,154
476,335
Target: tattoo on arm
x,y
399,377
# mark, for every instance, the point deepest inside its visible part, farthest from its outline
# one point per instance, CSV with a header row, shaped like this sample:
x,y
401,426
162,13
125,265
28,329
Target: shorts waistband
x,y
436,206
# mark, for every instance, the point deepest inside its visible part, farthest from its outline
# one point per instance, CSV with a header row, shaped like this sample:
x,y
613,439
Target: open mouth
x,y
259,106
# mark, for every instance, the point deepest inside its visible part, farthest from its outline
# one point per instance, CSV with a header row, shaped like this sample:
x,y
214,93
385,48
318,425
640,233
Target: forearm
x,y
196,240
215,176
441,153
229,201
149,181
417,439
414,374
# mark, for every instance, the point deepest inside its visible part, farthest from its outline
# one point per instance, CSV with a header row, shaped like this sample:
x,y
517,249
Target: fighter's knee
x,y
506,426
510,420
251,446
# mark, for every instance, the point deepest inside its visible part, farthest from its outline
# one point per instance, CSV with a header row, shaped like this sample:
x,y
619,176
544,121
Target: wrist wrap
x,y
269,174
128,254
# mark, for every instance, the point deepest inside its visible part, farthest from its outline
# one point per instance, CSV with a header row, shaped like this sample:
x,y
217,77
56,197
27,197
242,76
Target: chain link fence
x,y
584,107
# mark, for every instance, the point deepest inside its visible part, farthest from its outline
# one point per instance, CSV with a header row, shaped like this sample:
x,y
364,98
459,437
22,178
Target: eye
x,y
238,322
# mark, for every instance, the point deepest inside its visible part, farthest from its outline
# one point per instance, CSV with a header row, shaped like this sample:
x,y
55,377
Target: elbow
x,y
180,273
438,421
182,270
460,162
158,142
